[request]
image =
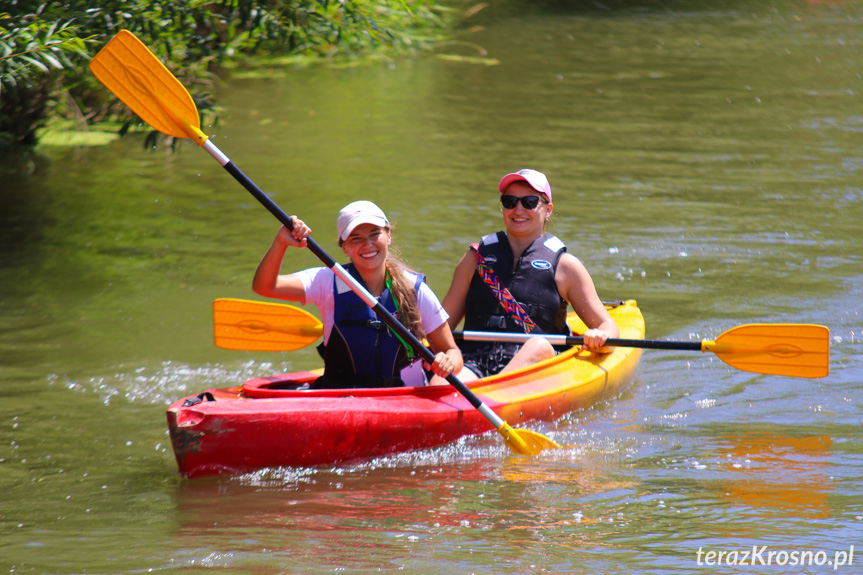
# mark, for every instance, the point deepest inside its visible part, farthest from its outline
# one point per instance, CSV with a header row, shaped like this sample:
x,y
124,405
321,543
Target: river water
x,y
706,161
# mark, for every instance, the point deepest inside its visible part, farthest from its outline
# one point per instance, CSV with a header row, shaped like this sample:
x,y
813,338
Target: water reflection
x,y
313,500
778,475
478,508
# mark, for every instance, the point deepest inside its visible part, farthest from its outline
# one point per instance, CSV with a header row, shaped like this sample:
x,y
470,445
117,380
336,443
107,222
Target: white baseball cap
x,y
356,213
534,179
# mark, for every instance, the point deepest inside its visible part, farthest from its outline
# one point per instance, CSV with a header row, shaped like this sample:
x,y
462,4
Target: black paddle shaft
x,y
274,209
507,337
655,344
316,249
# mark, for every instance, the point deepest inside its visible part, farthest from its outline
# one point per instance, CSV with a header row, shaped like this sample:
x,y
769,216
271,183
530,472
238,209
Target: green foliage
x,y
43,55
34,54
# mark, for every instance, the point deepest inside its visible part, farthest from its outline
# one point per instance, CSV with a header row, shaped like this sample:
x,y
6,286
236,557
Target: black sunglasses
x,y
528,202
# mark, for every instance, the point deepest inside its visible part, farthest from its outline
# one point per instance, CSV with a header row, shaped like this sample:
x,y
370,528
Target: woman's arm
x,y
267,281
456,298
448,357
576,286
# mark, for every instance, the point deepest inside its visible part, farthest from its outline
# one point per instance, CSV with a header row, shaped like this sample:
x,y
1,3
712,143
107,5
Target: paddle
x,y
791,349
250,326
134,74
796,350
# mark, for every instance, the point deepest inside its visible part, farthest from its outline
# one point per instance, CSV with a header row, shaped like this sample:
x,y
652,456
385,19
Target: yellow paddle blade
x,y
134,74
259,326
795,350
525,442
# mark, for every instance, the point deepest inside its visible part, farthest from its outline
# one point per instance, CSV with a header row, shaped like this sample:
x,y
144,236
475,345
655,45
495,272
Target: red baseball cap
x,y
534,179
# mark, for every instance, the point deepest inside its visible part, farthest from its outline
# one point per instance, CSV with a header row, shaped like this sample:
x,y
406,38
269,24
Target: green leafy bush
x,y
34,56
45,46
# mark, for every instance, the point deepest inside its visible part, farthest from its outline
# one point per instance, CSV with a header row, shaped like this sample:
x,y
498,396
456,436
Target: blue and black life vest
x,y
530,281
362,351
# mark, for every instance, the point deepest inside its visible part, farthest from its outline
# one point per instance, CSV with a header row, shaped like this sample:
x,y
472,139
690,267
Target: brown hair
x,y
403,290
405,297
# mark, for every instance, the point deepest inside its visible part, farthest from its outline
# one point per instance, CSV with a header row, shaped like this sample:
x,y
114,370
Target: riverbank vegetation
x,y
45,47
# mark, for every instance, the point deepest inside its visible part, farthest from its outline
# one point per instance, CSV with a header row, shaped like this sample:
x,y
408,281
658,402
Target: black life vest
x,y
530,281
362,351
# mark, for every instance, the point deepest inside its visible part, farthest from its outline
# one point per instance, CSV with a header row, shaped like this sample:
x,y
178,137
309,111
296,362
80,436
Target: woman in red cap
x,y
359,350
521,280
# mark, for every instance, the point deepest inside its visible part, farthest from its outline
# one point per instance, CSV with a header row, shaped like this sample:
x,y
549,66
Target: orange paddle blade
x,y
796,350
259,326
526,442
134,74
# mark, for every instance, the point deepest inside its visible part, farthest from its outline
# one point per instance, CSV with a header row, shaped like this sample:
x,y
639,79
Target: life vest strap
x,y
503,295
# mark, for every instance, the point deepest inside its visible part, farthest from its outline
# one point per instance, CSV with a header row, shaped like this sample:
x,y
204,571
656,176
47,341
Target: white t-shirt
x,y
318,285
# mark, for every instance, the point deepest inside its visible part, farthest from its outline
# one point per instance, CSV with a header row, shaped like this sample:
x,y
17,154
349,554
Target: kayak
x,y
273,422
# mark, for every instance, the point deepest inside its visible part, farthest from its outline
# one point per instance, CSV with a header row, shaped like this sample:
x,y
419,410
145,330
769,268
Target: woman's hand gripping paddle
x,y
134,74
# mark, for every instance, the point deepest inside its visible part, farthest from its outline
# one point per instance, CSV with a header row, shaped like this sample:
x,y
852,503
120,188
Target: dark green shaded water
x,y
705,161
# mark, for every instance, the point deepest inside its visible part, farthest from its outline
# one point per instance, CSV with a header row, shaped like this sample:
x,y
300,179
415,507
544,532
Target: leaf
x,y
36,63
53,61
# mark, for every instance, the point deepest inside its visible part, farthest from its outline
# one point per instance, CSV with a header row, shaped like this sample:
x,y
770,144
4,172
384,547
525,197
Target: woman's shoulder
x,y
430,307
413,276
570,266
316,279
316,273
425,291
552,242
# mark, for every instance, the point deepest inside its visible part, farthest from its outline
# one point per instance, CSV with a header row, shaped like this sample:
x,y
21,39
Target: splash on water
x,y
167,383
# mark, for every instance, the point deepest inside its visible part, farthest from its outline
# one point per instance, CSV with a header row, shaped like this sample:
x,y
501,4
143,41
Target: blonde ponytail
x,y
405,296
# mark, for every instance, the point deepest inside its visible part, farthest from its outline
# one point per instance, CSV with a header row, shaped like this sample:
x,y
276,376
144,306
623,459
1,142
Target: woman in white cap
x,y
359,350
521,280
